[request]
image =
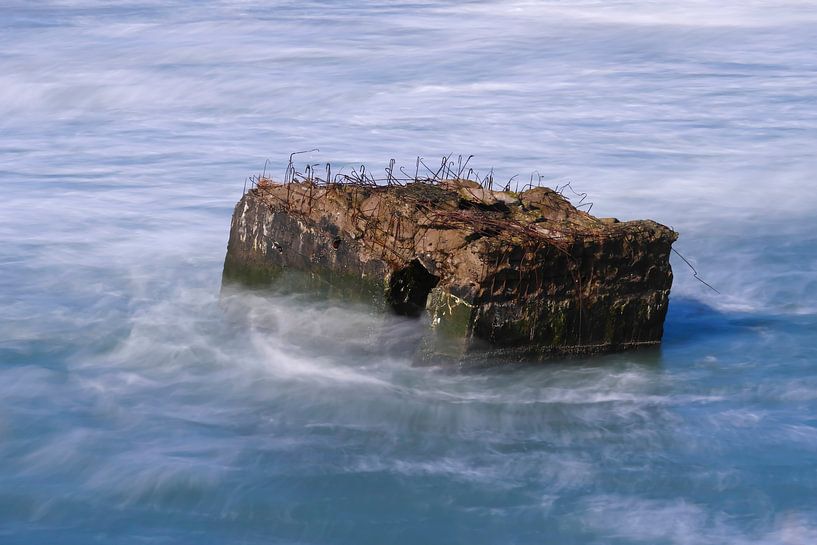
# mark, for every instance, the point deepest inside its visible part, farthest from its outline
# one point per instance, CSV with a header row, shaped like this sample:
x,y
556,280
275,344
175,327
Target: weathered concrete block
x,y
515,274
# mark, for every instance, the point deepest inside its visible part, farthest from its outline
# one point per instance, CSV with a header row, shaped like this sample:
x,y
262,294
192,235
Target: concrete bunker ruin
x,y
515,273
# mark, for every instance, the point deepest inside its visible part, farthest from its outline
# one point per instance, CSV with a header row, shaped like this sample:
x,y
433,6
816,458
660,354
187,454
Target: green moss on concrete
x,y
450,315
324,283
250,275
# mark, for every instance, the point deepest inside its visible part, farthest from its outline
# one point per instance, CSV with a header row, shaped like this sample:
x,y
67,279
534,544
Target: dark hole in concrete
x,y
409,288
495,207
336,243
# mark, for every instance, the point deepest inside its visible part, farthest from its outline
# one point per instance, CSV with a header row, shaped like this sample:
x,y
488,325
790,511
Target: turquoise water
x,y
138,404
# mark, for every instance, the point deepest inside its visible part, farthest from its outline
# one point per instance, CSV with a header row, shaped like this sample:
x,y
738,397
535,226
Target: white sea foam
x,y
682,522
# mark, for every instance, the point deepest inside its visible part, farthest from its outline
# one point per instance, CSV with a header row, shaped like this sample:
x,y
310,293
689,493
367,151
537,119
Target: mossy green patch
x,y
324,283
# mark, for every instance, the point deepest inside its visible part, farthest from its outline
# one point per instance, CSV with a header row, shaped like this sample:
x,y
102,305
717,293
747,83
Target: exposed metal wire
x,y
382,230
695,272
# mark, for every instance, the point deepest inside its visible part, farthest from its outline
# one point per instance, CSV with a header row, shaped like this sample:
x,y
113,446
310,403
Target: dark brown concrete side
x,y
520,274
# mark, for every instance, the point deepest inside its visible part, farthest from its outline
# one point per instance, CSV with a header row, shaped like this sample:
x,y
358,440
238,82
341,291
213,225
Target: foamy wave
x,y
683,522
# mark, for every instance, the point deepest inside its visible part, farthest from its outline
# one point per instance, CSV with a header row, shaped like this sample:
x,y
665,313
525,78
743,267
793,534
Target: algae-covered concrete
x,y
519,274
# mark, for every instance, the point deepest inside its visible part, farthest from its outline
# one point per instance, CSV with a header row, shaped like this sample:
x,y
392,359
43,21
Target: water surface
x,y
139,406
